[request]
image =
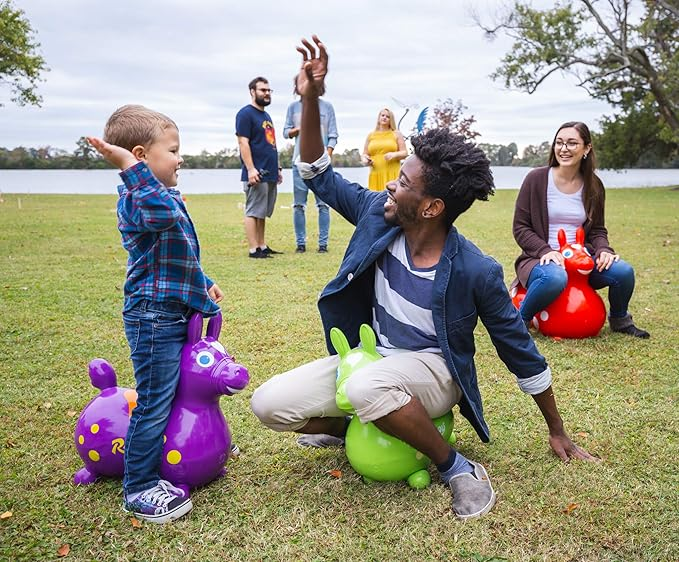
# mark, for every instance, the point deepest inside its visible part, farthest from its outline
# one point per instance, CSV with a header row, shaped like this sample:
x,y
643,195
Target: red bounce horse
x,y
579,311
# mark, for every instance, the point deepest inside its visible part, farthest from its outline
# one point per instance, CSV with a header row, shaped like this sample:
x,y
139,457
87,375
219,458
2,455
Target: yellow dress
x,y
381,171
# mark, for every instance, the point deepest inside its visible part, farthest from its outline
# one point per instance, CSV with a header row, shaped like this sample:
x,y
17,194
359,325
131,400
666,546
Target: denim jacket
x,y
468,285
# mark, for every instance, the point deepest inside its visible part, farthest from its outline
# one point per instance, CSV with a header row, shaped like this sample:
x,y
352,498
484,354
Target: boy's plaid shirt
x,y
164,256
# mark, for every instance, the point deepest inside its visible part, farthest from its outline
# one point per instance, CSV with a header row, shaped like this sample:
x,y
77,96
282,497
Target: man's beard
x,y
401,217
262,102
392,220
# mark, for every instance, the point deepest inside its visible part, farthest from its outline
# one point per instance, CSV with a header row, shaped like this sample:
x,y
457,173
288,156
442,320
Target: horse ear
x,y
580,236
561,237
339,341
368,340
214,326
195,328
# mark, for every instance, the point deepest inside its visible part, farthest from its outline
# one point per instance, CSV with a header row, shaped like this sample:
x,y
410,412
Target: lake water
x,y
228,181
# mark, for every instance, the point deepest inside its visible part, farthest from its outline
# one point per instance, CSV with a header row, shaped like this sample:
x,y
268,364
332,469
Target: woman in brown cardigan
x,y
568,194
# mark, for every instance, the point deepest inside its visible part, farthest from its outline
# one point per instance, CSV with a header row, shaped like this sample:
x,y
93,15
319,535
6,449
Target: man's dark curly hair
x,y
455,171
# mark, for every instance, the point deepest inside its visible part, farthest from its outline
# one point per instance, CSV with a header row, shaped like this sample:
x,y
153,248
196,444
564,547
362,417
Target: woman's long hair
x,y
392,119
593,188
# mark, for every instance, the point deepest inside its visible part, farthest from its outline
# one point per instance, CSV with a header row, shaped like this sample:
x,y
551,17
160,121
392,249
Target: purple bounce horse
x,y
197,440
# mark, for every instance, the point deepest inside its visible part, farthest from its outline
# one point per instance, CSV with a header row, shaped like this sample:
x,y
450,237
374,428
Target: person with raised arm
x,y
422,287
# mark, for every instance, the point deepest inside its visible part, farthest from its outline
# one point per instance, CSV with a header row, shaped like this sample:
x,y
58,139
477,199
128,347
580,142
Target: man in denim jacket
x,y
422,287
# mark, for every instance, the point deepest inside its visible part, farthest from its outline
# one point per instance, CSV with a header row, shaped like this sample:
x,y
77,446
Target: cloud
x,y
193,60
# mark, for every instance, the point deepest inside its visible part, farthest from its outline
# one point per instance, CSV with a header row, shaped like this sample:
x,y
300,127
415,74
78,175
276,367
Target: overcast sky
x,y
193,60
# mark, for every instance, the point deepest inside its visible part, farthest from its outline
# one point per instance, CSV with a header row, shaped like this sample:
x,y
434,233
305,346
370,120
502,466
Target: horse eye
x,y
567,254
205,359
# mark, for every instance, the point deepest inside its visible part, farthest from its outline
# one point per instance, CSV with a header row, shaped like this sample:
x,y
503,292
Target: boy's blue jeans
x,y
156,333
546,282
300,194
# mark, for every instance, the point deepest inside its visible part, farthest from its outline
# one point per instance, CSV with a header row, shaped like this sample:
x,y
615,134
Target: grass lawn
x,y
62,269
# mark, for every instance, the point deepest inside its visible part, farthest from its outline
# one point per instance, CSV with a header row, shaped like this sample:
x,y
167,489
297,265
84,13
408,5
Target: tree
x,y
624,63
448,114
285,155
499,154
632,140
535,155
350,158
20,64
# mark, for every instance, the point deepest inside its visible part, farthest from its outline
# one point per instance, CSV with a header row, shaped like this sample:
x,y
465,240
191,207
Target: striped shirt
x,y
402,317
164,256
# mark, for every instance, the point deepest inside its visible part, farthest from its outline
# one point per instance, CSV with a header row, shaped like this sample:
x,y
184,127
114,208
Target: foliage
x,y
85,157
633,140
225,158
285,155
350,158
499,154
616,60
449,114
62,270
47,157
535,155
20,63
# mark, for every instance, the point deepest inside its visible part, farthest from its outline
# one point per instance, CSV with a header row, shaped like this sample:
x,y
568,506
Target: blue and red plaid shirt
x,y
164,256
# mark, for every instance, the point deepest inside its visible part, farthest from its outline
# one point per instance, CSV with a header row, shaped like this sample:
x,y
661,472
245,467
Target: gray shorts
x,y
260,199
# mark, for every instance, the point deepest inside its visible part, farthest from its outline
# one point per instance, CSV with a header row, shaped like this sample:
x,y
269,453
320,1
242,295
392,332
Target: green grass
x,y
62,270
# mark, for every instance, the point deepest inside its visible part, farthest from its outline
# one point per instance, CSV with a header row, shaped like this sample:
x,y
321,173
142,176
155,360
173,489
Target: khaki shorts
x,y
286,402
260,199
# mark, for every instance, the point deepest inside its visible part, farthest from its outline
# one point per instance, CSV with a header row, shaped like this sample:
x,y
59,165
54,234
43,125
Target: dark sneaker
x,y
269,251
301,248
634,331
259,254
473,495
322,249
626,325
319,440
160,504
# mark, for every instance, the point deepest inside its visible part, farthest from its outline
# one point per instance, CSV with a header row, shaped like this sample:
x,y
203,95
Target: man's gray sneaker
x,y
473,494
319,440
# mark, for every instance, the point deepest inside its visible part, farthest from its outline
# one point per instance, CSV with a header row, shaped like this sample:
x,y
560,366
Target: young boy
x,y
165,284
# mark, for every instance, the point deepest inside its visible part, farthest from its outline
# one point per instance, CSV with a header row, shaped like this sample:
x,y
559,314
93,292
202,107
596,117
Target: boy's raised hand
x,y
314,68
116,155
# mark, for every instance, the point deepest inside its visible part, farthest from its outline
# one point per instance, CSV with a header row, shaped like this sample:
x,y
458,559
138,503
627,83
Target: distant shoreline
x,y
216,181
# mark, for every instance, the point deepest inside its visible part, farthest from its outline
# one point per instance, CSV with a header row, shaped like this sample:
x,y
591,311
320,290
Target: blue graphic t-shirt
x,y
257,126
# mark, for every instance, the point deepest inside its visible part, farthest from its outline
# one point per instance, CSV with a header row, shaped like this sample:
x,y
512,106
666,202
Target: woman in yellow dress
x,y
384,149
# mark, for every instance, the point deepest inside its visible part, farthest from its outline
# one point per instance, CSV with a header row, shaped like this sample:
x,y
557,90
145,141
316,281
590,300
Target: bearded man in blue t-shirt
x,y
260,173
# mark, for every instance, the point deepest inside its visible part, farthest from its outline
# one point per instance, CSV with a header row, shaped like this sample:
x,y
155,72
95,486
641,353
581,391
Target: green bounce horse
x,y
375,455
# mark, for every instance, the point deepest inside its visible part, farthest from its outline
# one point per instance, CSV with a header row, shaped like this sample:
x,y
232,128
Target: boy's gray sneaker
x,y
473,494
319,440
160,504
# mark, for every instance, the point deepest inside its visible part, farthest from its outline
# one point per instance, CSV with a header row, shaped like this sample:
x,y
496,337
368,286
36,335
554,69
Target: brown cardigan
x,y
531,225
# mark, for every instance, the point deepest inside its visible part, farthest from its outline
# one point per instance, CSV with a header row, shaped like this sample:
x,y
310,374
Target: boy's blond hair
x,y
132,125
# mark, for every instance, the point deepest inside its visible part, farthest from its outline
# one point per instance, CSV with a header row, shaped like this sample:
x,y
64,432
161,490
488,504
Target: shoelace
x,y
161,495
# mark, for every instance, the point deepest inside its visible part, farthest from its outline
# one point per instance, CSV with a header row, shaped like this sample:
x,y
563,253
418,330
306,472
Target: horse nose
x,y
231,377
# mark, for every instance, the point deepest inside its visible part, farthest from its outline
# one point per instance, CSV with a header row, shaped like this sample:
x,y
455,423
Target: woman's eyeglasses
x,y
570,145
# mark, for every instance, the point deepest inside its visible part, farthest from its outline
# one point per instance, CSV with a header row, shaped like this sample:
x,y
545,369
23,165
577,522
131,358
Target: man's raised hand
x,y
314,67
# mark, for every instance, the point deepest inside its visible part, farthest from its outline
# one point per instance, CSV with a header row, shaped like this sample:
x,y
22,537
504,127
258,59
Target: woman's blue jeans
x,y
546,282
300,194
156,333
